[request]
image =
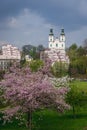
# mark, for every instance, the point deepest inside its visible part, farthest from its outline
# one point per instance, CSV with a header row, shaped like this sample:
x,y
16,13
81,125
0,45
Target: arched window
x,y
50,39
56,45
50,45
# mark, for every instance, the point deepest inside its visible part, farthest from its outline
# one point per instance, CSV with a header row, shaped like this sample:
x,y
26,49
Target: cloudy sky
x,y
28,21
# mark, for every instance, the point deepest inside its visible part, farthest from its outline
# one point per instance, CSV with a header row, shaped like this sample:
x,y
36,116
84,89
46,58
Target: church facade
x,y
56,48
57,43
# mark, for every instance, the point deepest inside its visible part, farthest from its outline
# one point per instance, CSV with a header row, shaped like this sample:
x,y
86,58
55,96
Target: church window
x,y
50,45
56,45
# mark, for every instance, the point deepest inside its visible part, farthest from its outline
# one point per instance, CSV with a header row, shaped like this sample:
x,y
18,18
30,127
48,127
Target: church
x,y
56,48
55,43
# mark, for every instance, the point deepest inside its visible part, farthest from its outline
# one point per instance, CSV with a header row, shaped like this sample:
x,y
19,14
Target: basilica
x,y
56,48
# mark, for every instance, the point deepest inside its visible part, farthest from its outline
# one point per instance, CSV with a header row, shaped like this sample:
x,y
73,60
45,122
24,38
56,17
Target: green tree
x,y
76,97
78,61
72,52
35,65
82,65
59,69
81,51
85,46
72,71
40,48
30,50
2,72
27,91
33,53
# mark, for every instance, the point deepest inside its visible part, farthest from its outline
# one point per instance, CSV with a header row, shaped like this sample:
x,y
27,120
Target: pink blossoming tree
x,y
26,91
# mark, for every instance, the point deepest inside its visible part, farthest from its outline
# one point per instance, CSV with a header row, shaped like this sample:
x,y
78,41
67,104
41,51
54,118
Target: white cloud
x,y
28,27
31,28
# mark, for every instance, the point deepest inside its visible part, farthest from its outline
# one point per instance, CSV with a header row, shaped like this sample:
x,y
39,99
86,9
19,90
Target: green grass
x,y
12,126
51,120
80,85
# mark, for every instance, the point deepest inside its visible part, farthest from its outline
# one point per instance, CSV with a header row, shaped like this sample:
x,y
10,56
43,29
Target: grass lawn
x,y
82,85
51,120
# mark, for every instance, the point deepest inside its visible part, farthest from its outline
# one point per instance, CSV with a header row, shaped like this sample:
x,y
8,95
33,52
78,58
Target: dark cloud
x,y
9,8
59,12
70,14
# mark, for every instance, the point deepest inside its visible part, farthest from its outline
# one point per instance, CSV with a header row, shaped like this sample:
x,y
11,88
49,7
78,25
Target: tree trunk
x,y
29,119
74,112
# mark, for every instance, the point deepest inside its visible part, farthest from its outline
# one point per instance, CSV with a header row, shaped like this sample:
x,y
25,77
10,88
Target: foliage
x,y
78,67
35,65
85,46
40,48
72,52
51,120
27,91
2,72
29,50
22,62
60,82
26,49
33,51
76,97
78,61
81,51
59,69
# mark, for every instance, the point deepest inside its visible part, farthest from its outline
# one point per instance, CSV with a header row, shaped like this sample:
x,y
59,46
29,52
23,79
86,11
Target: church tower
x,y
51,38
62,36
62,39
57,43
56,50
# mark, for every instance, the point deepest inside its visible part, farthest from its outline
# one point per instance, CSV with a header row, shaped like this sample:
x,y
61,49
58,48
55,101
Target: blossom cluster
x,y
60,82
25,90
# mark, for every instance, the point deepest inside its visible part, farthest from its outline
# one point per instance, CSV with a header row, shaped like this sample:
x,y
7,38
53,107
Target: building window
x,y
56,45
50,45
62,45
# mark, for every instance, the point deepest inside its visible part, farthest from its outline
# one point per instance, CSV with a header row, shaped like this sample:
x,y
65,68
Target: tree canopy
x,y
26,91
78,61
